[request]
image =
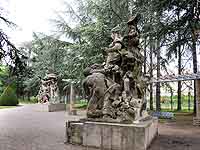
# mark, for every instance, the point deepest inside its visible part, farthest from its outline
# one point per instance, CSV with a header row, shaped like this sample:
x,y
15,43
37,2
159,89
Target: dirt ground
x,y
177,134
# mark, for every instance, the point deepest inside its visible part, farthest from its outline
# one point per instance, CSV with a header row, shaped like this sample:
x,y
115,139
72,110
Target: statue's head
x,y
115,33
134,20
132,28
129,74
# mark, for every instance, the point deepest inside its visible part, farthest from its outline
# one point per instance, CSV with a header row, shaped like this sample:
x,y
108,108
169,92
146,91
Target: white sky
x,y
31,16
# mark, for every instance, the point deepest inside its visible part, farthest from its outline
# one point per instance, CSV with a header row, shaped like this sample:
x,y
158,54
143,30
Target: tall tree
x,y
158,107
152,45
194,25
179,63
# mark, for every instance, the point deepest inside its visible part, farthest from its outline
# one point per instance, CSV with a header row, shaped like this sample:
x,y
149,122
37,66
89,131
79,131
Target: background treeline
x,y
169,32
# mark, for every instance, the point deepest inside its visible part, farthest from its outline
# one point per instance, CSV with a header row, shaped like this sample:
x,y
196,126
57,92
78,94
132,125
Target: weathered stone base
x,y
56,107
111,136
72,112
196,121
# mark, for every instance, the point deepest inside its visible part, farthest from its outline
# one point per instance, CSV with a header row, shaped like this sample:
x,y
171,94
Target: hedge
x,y
9,97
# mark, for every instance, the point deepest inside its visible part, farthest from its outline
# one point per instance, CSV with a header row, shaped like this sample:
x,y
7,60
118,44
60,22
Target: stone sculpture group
x,y
116,111
115,89
49,89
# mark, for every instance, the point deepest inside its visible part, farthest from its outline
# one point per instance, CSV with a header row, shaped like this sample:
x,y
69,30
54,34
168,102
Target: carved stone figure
x,y
49,89
115,90
113,54
95,86
44,92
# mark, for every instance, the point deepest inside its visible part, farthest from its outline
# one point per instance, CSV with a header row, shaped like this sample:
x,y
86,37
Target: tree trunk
x,y
194,55
179,72
28,96
179,96
145,55
158,107
145,69
194,12
179,67
189,95
171,91
151,73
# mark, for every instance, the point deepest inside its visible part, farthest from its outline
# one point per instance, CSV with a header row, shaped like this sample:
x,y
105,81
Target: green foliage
x,y
3,107
45,53
9,97
88,32
3,77
166,103
32,100
89,29
81,104
184,102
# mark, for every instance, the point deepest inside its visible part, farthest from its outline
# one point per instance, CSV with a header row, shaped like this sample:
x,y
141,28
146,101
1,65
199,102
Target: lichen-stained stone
x,y
92,135
116,87
56,107
114,136
76,133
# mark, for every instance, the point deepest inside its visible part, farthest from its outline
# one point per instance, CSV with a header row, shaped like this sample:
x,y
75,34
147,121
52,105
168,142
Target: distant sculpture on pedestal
x,y
116,90
49,91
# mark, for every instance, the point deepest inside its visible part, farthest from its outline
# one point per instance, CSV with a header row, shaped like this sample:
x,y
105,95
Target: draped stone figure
x,y
49,91
115,89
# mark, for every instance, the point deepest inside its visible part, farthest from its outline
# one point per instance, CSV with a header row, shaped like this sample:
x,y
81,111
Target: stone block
x,y
196,121
56,107
113,136
72,112
74,133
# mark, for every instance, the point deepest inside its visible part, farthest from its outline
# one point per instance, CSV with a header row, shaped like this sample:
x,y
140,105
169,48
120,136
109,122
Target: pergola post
x,y
72,111
196,119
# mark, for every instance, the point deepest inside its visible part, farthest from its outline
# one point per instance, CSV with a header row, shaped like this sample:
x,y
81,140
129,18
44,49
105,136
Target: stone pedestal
x,y
56,107
72,112
112,136
196,121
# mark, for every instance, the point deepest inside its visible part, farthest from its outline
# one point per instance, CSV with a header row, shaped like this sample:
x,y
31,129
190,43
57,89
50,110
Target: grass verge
x,y
3,107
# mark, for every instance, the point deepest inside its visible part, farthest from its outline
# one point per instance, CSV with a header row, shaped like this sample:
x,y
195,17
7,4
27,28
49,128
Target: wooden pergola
x,y
176,78
186,77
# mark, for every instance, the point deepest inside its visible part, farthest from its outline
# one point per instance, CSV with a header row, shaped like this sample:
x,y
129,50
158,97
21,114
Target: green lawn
x,y
26,102
81,104
3,107
166,103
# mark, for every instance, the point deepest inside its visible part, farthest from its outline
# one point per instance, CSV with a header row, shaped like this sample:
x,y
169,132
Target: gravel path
x,y
31,127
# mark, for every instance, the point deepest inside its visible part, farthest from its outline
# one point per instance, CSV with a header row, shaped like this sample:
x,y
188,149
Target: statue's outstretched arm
x,y
115,48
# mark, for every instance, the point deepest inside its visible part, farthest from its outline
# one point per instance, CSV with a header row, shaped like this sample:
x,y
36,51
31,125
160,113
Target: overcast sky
x,y
30,16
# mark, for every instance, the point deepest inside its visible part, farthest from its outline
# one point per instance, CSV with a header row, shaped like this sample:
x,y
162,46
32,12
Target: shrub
x,y
33,99
9,97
